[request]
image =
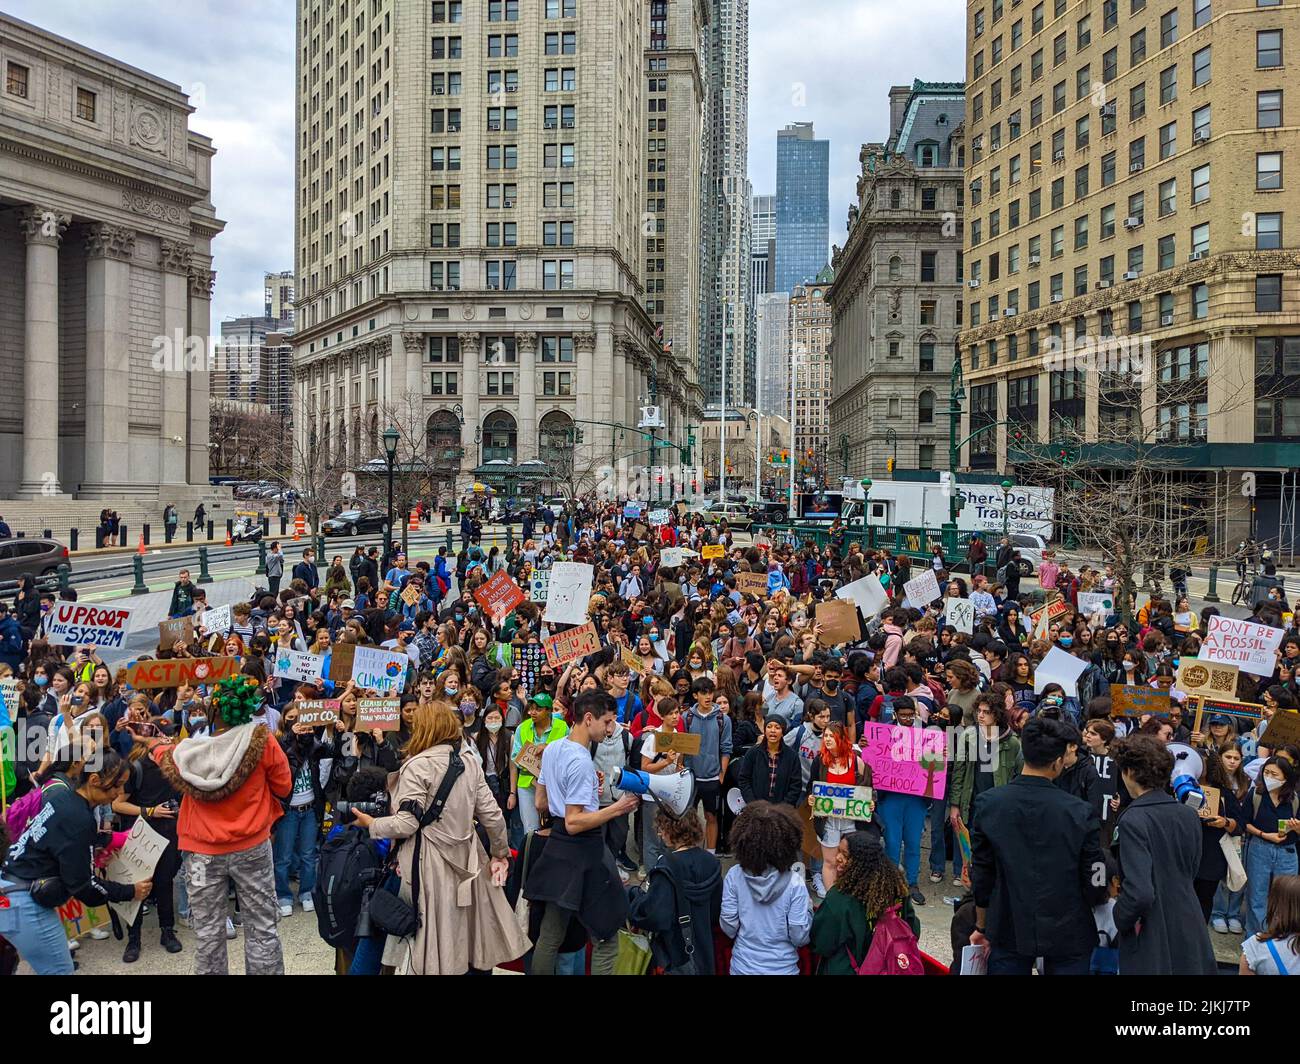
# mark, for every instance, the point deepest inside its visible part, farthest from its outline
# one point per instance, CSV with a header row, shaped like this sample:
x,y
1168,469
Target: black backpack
x,y
347,866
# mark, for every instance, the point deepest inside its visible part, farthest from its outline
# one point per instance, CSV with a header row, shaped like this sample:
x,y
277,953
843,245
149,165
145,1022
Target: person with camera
x,y
456,912
52,861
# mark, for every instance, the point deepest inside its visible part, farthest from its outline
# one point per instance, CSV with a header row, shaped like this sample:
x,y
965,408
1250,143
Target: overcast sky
x,y
826,61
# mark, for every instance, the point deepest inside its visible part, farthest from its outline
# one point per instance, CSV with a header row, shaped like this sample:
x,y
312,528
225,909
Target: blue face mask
x,y
1067,640
197,721
41,681
654,637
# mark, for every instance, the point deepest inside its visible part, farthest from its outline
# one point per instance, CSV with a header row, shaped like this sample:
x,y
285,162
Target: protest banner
x,y
752,584
670,557
499,596
316,712
838,621
134,863
1197,677
73,624
1247,714
658,517
529,759
217,621
77,920
298,665
922,590
906,760
868,593
538,584
1283,730
382,713
713,551
1091,602
379,670
569,593
960,614
1126,701
842,800
173,631
411,594
681,742
564,647
173,672
1251,647
340,666
1059,667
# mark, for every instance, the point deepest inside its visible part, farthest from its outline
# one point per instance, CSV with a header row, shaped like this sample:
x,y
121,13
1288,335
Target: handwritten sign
x,y
752,584
382,713
681,742
1283,730
530,759
317,712
1197,677
134,863
633,661
564,647
411,594
173,672
841,800
1093,602
632,511
868,593
298,665
906,760
1048,612
538,584
713,551
499,596
1105,766
1251,647
79,624
658,517
77,920
341,658
960,614
379,670
671,557
639,531
922,590
217,621
1126,701
1212,798
176,630
839,623
569,593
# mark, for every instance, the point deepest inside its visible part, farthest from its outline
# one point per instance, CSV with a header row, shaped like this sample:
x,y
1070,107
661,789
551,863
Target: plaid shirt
x,y
772,761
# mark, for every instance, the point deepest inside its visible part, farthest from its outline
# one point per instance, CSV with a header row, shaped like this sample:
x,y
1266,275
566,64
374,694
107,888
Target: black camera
x,y
375,805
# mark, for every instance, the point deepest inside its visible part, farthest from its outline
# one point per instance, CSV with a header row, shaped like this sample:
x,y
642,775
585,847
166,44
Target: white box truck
x,y
916,504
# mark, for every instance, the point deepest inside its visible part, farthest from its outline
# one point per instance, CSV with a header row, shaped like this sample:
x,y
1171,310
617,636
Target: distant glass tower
x,y
802,206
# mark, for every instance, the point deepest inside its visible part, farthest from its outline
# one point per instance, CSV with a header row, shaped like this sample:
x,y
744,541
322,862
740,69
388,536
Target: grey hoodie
x,y
770,917
714,731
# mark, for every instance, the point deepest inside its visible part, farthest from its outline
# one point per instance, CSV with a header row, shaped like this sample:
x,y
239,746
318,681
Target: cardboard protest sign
x,y
922,590
1091,602
633,661
217,621
530,759
1248,714
410,594
382,713
72,624
868,593
298,665
1050,611
1126,701
1197,677
639,531
838,799
172,672
1212,798
1283,730
134,863
839,622
906,760
379,670
538,584
499,596
960,614
340,667
77,920
1251,647
681,742
752,584
317,712
569,593
670,557
1059,667
713,551
564,647
176,630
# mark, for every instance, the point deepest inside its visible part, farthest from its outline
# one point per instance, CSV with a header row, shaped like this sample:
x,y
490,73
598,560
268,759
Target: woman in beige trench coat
x,y
465,920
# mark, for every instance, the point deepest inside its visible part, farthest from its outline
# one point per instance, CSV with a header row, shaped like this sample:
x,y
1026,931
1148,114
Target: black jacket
x,y
699,875
753,776
307,573
1037,868
1082,781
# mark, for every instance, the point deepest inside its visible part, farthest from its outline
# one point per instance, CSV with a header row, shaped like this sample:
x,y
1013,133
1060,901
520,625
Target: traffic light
x,y
889,464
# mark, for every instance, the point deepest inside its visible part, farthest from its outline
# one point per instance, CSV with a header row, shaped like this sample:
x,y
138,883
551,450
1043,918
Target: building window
x,y
1268,232
1200,301
1268,109
1201,66
1165,252
1168,85
1168,28
561,8
1268,171
925,408
86,105
1168,140
1201,239
444,349
1268,293
928,266
1168,192
16,80
1268,49
1201,13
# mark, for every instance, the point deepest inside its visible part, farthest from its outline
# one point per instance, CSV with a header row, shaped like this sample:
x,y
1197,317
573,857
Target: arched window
x,y
356,439
895,269
500,437
341,441
442,432
925,408
895,199
926,153
374,435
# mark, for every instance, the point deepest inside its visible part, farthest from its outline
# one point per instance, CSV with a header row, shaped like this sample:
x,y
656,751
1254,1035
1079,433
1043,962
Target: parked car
x,y
31,557
351,522
736,515
770,511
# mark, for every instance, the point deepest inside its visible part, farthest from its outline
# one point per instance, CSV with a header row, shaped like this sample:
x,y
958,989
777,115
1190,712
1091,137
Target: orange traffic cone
x,y
299,527
228,542
140,549
413,525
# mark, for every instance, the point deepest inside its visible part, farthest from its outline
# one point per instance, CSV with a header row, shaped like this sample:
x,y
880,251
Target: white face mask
x,y
1129,666
493,727
1272,784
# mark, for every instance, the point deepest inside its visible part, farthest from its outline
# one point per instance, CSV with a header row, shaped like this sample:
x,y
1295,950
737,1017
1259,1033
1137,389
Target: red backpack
x,y
893,949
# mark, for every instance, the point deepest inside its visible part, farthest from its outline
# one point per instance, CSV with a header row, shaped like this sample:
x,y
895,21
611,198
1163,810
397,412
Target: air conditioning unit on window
x,y
548,125
435,288
1009,312
1167,318
493,287
1034,260
494,126
1107,110
972,283
1130,275
508,203
1200,136
1133,168
439,92
1133,221
1057,297
512,88
1058,156
1102,284
1196,256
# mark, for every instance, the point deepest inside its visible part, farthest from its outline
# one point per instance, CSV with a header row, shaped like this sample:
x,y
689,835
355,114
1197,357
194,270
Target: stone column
x,y
43,229
1044,428
415,345
470,389
526,347
199,390
174,261
584,386
109,250
1230,387
1001,431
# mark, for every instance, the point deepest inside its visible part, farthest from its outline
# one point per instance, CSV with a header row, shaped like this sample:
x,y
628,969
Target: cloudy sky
x,y
826,61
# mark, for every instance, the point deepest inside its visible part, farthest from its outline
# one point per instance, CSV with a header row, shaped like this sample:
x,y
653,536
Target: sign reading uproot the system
x,y
569,593
382,713
922,590
906,760
1251,647
298,665
173,672
73,624
379,670
564,647
499,596
842,800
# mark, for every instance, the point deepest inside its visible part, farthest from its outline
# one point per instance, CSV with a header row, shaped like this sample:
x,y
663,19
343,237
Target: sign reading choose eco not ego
x,y
839,799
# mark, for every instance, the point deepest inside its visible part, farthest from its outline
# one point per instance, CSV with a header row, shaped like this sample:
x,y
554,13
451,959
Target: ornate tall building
x,y
812,380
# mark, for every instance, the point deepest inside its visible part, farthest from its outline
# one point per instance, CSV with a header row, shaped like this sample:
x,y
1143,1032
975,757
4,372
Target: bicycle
x,y
1241,593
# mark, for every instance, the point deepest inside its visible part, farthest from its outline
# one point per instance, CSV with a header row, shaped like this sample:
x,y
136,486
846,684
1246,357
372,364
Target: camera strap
x,y
455,769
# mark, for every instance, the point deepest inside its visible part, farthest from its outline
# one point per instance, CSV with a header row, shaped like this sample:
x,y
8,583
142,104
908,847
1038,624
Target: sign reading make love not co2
x,y
73,624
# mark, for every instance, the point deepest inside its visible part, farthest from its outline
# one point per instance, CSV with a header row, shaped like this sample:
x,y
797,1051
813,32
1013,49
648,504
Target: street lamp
x,y
891,439
866,499
1007,486
755,415
390,438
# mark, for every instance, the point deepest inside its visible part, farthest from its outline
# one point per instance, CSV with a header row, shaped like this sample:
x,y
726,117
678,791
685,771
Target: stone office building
x,y
106,226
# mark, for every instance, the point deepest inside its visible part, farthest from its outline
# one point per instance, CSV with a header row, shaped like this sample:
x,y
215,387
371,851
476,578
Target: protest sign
x,y
639,531
1105,766
658,517
670,557
1091,602
173,672
752,584
839,799
633,661
1126,701
176,630
1251,647
1048,612
569,593
1213,797
1283,730
564,647
499,596
134,863
217,621
340,667
1247,714
838,620
77,920
713,551
681,742
72,624
906,760
316,712
379,670
382,713
528,665
960,614
530,759
538,584
868,593
410,594
1197,677
922,590
632,511
1059,667
297,665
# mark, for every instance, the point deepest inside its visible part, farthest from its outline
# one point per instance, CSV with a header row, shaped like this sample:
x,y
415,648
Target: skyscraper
x,y
802,206
763,250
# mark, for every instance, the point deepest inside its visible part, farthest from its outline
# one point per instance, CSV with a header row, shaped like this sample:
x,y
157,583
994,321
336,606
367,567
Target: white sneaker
x,y
230,928
73,945
819,888
308,905
99,933
286,908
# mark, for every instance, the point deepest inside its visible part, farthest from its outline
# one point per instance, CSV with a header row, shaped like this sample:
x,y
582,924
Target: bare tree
x,y
248,441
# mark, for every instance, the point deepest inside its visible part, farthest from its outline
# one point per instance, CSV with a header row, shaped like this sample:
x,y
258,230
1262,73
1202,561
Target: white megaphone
x,y
674,791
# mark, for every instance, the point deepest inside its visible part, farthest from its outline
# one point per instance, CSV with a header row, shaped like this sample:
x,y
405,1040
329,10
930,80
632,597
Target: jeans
x,y
1263,861
39,939
902,816
527,807
295,840
1004,962
1227,903
938,836
182,892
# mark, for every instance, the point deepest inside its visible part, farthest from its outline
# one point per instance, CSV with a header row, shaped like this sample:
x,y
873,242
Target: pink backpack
x,y
893,949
